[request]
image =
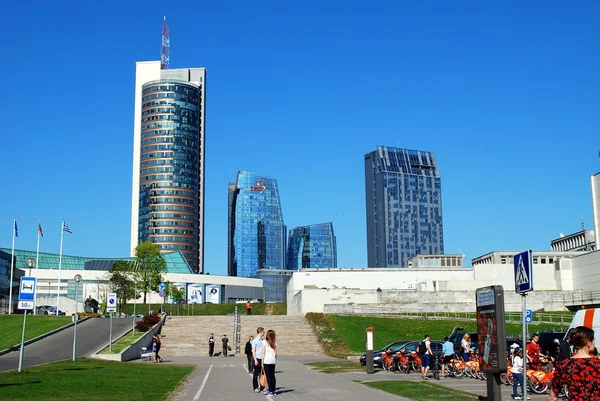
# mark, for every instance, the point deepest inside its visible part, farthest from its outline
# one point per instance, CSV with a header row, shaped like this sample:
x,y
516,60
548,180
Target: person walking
x,y
257,356
225,341
448,350
248,307
248,353
579,374
158,345
425,351
211,344
517,374
269,361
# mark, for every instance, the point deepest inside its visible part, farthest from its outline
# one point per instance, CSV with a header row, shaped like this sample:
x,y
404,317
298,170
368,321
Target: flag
x,y
40,228
16,229
66,228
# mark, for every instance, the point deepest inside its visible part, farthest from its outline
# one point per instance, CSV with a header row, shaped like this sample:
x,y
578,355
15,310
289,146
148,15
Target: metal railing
x,y
579,298
559,320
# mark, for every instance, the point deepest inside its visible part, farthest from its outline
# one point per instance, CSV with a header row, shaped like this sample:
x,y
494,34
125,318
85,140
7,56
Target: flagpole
x,y
37,263
62,233
12,267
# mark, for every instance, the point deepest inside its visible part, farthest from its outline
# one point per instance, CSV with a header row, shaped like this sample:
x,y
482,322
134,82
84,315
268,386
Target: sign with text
x,y
491,329
26,305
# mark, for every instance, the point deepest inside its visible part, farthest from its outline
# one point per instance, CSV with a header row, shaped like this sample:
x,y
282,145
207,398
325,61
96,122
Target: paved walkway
x,y
226,379
92,334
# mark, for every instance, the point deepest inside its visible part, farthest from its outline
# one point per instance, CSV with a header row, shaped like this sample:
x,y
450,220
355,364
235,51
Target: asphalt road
x,y
92,335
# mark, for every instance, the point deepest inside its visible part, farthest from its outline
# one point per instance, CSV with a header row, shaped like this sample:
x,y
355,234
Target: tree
x,y
177,294
123,282
148,267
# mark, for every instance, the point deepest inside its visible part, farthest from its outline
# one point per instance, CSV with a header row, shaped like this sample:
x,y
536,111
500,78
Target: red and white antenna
x,y
166,45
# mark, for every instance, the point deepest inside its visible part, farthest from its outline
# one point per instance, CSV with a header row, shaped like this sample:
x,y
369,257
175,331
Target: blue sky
x,y
505,93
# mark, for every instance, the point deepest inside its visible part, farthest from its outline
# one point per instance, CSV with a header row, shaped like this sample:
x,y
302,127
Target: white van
x,y
588,318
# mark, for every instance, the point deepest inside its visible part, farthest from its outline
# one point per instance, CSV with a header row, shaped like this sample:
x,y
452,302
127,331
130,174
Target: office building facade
x,y
404,206
168,161
312,246
256,232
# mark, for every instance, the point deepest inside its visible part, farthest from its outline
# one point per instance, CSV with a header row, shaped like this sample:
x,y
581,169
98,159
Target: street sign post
x,y
25,305
523,272
111,302
26,302
111,306
27,289
523,263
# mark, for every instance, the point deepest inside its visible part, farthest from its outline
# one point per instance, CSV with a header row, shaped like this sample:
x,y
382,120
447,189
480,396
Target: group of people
x,y
156,344
261,352
211,345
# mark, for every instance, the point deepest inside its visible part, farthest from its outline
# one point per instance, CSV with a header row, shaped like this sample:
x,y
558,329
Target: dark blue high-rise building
x,y
312,246
257,234
404,206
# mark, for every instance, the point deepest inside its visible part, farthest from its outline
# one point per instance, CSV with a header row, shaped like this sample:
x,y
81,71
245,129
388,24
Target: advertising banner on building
x,y
491,329
195,293
213,293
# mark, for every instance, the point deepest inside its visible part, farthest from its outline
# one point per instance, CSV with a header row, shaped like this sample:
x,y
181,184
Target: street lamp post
x,y
31,263
77,279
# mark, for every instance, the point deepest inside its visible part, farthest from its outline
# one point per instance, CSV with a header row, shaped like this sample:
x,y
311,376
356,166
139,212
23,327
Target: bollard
x,y
369,360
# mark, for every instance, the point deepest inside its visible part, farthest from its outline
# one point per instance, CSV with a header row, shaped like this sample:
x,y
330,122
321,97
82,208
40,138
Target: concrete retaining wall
x,y
346,300
134,351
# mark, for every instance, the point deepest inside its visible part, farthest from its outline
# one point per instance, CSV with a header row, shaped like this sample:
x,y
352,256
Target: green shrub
x,y
142,326
151,319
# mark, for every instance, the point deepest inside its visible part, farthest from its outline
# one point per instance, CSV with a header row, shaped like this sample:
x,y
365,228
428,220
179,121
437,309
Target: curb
x,y
38,338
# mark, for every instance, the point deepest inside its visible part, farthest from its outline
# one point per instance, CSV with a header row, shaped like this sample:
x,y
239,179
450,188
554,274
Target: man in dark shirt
x,y
225,344
211,344
564,348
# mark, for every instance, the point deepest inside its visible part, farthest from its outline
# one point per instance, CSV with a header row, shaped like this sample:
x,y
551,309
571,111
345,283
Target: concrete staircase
x,y
294,335
188,335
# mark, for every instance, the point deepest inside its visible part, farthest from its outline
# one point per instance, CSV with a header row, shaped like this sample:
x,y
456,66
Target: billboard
x,y
491,329
213,293
195,294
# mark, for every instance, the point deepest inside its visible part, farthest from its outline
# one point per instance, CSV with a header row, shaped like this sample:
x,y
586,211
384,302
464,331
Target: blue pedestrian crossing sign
x,y
27,289
523,272
528,315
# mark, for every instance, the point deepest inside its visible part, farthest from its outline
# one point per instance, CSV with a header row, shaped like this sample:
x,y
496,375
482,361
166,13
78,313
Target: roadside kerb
x,y
134,351
31,341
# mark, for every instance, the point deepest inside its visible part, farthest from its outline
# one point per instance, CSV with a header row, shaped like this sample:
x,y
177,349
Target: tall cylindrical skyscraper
x,y
168,170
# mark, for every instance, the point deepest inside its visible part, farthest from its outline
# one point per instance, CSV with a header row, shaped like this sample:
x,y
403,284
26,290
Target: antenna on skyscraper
x,y
166,45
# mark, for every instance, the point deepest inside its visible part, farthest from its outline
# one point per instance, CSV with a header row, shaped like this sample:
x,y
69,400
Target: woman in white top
x,y
269,361
517,373
466,346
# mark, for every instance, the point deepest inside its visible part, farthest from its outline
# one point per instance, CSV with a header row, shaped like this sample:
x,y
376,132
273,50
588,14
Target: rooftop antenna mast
x,y
166,45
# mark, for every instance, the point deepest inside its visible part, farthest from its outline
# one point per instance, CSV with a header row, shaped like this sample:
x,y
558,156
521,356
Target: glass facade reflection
x,y
404,206
257,233
170,167
312,246
5,283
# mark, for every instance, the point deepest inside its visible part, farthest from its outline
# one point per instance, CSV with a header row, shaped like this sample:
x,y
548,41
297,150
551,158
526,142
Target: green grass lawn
x,y
278,308
122,343
91,380
421,391
351,329
340,366
11,327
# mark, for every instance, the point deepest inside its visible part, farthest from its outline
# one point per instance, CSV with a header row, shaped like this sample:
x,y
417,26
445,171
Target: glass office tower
x,y
257,234
169,165
312,246
404,206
